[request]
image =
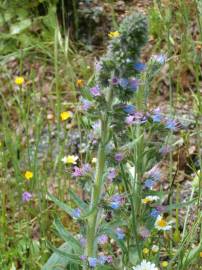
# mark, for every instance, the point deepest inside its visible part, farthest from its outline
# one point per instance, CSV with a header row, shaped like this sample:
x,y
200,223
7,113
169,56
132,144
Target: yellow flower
x,y
114,34
28,175
80,83
200,254
164,264
69,159
19,80
145,251
65,115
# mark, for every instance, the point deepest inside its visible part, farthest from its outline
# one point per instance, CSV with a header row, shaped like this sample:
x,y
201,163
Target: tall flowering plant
x,y
120,209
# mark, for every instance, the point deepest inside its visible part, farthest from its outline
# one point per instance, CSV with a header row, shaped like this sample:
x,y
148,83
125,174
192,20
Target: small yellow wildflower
x,y
71,159
19,80
80,83
65,115
94,160
28,175
145,251
164,264
114,34
200,254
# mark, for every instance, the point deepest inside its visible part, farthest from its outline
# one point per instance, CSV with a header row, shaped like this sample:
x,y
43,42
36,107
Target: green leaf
x,y
60,204
76,199
19,27
66,236
58,262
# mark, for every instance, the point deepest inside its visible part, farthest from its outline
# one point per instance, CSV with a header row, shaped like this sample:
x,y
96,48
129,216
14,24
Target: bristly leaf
x,y
67,236
60,204
58,262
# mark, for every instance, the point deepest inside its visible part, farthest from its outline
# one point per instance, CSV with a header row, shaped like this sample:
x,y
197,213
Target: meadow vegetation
x,y
101,135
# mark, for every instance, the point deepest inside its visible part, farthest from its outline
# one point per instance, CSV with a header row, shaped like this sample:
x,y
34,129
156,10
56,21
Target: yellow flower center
x,y
80,83
19,80
114,34
162,223
28,175
164,264
145,251
146,200
65,115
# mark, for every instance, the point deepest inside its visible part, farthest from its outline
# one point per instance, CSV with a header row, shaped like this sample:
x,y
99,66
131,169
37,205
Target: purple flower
x,y
155,173
95,91
111,174
139,66
103,239
129,120
149,183
133,84
86,104
154,213
116,201
123,82
77,172
161,208
26,196
98,66
102,259
114,81
83,257
139,118
129,109
159,58
76,213
82,240
86,168
171,124
119,157
92,261
165,149
144,232
109,259
120,233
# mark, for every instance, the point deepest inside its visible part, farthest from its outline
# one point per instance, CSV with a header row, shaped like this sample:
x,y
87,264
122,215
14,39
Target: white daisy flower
x,y
155,248
162,225
145,266
69,159
150,199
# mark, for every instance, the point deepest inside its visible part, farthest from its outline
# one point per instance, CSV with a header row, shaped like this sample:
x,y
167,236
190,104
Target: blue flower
x,y
102,259
76,213
92,261
115,205
171,124
133,83
139,66
120,234
154,213
123,82
159,58
149,183
130,109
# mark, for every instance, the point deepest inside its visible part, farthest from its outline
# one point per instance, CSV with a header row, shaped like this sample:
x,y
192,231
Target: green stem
x,y
93,220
